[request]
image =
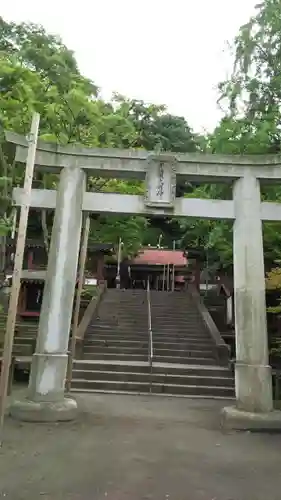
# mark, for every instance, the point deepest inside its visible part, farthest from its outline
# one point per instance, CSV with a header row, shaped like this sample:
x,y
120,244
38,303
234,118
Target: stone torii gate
x,y
46,399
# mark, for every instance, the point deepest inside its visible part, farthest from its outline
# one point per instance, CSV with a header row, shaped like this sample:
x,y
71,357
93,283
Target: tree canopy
x,y
251,99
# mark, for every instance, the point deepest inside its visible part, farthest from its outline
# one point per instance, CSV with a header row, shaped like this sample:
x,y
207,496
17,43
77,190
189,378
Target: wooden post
x,y
12,311
173,270
30,260
168,278
82,262
119,258
14,226
163,283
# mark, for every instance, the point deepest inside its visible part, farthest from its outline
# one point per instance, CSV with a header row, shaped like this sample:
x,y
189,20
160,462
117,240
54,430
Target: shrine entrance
x,y
160,173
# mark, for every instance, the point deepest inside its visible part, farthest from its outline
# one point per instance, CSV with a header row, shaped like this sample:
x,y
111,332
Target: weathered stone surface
x,y
49,363
233,418
132,204
40,411
252,375
124,163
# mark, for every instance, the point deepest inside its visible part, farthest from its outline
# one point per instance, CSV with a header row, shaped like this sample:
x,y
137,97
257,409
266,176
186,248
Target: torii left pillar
x,y
46,401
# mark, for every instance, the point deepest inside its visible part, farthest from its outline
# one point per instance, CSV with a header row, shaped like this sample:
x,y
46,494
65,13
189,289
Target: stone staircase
x,y
115,357
25,336
179,333
25,333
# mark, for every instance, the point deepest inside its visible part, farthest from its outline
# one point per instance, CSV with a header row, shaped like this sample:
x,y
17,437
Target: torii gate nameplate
x,y
160,181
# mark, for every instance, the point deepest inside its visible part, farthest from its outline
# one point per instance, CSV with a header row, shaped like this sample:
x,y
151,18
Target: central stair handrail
x,y
150,336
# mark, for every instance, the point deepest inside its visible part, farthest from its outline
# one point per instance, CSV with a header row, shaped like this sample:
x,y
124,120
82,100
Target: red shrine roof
x,y
155,256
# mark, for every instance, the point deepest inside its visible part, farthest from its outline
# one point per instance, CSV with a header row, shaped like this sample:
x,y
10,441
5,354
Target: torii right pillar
x,y
253,379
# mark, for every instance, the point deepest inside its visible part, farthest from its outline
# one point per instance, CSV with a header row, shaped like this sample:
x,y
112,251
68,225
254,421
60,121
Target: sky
x,y
171,52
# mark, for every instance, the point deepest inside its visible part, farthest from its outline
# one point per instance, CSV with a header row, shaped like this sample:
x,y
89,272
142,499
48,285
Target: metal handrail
x,y
150,336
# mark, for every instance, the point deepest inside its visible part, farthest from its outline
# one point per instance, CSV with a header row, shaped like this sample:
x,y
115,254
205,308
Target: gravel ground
x,y
132,448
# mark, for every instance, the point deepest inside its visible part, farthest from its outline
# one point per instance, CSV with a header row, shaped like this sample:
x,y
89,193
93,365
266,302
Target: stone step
x,y
26,332
166,338
124,299
135,302
143,328
157,336
121,356
139,304
181,342
143,367
184,359
20,350
143,349
187,325
175,312
142,305
111,375
143,342
116,357
23,349
191,331
25,340
120,302
143,387
159,378
171,305
108,365
185,353
140,349
143,313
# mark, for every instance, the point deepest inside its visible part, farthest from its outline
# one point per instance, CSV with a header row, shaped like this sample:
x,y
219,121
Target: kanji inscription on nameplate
x,y
160,181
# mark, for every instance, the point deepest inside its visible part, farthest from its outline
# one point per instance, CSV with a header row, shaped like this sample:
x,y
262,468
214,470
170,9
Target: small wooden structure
x,y
34,272
32,276
165,269
35,255
31,293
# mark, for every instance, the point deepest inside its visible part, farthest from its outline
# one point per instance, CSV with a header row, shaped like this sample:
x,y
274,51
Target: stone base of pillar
x,y
233,418
33,411
253,385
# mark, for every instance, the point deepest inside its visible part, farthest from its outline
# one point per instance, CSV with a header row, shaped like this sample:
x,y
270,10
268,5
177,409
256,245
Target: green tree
x,y
251,125
155,128
37,72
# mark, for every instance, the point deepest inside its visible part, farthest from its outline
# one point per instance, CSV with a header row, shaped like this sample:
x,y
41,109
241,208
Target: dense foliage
x,y
37,72
251,125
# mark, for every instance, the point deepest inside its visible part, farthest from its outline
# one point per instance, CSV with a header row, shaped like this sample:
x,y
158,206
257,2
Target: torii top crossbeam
x,y
160,172
123,163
